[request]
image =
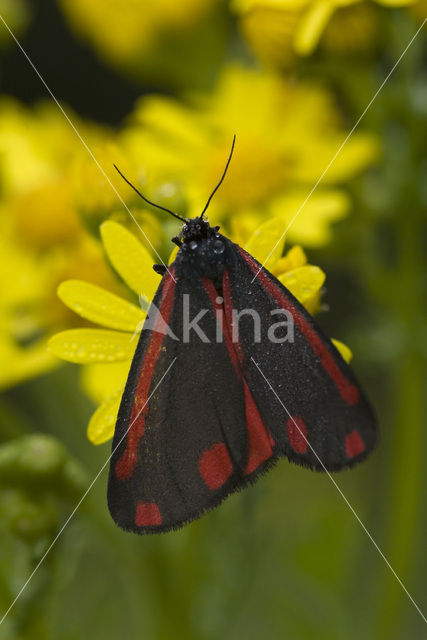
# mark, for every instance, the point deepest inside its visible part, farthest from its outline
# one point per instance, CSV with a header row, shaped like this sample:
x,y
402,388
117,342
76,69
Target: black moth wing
x,y
323,419
194,447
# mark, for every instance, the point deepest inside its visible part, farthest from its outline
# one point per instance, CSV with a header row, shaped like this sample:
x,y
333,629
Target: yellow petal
x,y
92,345
173,255
102,423
344,350
22,363
266,242
303,282
294,258
101,381
310,220
243,225
342,161
312,25
130,259
100,306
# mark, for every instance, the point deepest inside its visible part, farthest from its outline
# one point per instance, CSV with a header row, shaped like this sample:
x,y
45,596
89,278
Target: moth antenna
x,y
153,204
222,178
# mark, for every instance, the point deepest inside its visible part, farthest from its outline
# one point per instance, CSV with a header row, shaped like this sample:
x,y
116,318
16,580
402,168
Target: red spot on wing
x,y
348,391
354,444
147,514
215,466
297,434
260,442
127,462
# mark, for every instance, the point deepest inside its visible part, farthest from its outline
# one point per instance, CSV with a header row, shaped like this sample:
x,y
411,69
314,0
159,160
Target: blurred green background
x,y
159,87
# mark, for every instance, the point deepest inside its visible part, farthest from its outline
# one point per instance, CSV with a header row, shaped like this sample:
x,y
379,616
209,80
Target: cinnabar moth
x,y
197,420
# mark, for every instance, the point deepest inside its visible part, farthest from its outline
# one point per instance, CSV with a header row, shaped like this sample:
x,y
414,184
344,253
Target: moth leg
x,y
160,269
176,240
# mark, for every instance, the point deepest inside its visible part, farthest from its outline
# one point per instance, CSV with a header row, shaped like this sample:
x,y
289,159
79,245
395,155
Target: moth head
x,y
196,229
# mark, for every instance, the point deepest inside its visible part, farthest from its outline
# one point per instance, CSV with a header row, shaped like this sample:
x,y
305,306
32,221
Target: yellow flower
x,y
153,39
44,216
42,237
278,30
39,150
287,134
119,30
107,352
23,282
96,198
352,29
29,310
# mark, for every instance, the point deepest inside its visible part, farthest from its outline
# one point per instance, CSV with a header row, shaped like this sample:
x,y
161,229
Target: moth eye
x,y
218,246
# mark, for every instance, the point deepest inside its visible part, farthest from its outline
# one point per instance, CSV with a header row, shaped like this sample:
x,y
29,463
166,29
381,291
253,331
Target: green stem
x,y
405,498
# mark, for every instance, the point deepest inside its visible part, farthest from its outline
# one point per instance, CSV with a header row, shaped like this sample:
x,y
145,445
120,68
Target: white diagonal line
x,y
358,121
52,544
72,125
338,488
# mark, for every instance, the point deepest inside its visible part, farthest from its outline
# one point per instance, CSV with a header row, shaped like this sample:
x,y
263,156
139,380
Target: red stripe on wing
x,y
127,462
348,391
260,442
